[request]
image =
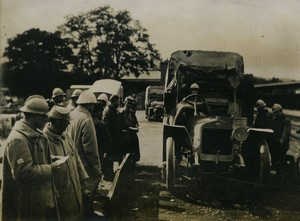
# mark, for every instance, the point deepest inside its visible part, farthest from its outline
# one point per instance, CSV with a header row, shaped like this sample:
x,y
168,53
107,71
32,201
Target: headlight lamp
x,y
239,133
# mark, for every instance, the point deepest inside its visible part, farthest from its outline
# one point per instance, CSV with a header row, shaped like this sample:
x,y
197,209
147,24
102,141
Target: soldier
x,y
74,97
103,138
200,106
102,102
112,120
28,191
263,116
279,140
135,103
69,176
83,133
58,98
130,127
194,88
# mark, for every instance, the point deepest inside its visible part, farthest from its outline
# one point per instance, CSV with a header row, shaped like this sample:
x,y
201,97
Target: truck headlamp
x,y
240,133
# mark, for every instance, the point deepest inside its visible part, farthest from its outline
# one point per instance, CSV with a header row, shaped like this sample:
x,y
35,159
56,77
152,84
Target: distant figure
x,y
279,140
112,120
74,97
130,127
102,103
69,176
135,103
263,116
103,138
58,98
28,192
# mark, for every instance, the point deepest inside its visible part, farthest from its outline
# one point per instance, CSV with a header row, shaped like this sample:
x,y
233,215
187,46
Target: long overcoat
x,y
83,133
128,121
112,120
279,140
27,175
68,177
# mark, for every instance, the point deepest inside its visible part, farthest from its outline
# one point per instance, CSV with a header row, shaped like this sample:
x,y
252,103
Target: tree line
x,y
99,44
102,43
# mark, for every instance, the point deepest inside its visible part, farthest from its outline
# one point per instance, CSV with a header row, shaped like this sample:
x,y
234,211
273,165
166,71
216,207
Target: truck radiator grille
x,y
215,140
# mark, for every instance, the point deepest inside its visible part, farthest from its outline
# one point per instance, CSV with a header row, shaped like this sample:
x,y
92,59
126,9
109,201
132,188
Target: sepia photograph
x,y
149,110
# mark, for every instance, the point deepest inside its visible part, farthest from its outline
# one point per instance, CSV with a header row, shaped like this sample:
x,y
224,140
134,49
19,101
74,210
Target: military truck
x,y
219,140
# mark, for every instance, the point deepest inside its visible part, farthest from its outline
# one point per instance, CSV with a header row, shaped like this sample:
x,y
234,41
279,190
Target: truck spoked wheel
x,y
170,167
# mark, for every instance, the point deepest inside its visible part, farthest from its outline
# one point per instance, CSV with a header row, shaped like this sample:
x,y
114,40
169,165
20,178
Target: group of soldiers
x,y
278,140
56,156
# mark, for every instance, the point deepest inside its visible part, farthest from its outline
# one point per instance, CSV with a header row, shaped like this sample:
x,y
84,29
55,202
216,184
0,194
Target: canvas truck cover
x,y
208,65
109,86
153,92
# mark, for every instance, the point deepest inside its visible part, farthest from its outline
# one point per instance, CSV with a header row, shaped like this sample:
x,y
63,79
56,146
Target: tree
x,y
37,62
109,44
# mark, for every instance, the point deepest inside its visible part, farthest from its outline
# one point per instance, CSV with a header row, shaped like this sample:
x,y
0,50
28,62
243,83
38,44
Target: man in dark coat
x,y
102,100
74,97
58,98
130,127
279,140
263,116
103,138
28,190
112,120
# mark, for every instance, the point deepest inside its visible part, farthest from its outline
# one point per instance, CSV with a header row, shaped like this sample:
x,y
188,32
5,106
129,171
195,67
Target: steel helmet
x,y
194,86
76,93
35,104
276,107
260,103
102,97
87,97
57,92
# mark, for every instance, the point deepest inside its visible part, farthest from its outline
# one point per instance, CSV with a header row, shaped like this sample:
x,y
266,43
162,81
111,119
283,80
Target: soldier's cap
x,y
57,92
76,93
102,97
129,99
35,104
276,107
58,112
113,98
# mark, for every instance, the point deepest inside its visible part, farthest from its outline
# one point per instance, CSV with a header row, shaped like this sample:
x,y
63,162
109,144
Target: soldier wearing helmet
x,y
112,120
279,140
83,133
198,102
74,97
27,191
58,98
194,88
130,127
263,116
102,100
103,138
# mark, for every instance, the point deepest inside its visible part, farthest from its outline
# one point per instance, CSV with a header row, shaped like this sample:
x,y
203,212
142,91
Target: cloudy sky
x,y
265,32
